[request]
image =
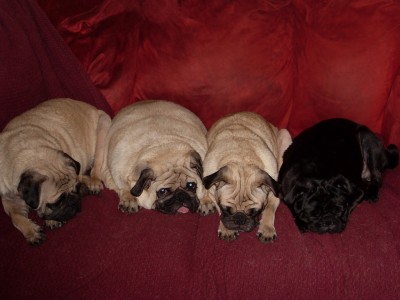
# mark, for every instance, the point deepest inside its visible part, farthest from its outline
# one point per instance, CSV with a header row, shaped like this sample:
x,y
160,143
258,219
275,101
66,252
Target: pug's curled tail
x,y
392,154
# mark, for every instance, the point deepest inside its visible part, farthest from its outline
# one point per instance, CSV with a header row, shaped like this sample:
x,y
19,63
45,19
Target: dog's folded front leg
x,y
17,209
266,231
94,181
207,205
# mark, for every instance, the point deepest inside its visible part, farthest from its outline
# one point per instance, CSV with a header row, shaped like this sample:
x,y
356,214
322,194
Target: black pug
x,y
329,169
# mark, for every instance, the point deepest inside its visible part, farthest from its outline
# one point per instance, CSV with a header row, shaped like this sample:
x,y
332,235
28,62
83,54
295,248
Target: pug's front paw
x,y
266,234
206,208
128,203
51,224
34,234
227,234
94,184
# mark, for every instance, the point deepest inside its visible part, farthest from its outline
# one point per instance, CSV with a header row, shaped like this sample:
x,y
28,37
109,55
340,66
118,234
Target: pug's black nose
x,y
239,218
181,196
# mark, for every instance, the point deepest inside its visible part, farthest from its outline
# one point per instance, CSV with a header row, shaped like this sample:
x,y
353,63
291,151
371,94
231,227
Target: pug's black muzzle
x,y
67,206
326,224
239,221
172,203
324,212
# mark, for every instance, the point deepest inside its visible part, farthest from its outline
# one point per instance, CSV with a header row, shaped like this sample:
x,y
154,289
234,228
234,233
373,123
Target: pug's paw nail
x,y
37,239
231,236
205,209
266,238
129,209
122,208
51,224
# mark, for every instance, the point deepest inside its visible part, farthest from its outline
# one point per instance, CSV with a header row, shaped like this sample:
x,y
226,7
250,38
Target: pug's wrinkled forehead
x,y
241,188
176,177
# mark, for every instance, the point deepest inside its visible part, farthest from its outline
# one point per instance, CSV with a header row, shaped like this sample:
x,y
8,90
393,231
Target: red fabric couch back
x,y
295,62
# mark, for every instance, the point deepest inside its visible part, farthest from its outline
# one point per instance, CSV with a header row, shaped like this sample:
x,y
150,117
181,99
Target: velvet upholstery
x,y
295,62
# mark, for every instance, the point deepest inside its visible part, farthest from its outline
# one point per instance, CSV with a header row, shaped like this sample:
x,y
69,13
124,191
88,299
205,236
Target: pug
x,y
44,156
240,171
329,169
153,158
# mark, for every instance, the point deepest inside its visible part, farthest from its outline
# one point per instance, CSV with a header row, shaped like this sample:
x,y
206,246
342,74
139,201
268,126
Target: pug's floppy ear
x,y
143,183
392,154
72,162
375,156
214,178
196,164
29,187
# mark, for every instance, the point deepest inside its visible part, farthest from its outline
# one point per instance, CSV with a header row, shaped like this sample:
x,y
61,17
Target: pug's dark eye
x,y
163,192
299,193
340,185
191,186
226,210
253,212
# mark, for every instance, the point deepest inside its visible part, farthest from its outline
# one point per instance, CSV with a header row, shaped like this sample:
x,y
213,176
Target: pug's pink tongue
x,y
183,210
